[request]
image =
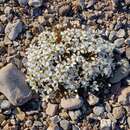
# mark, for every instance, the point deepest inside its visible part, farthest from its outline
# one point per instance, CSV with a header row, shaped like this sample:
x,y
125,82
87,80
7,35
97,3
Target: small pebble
x,y
53,127
51,109
55,119
121,33
64,10
112,36
75,115
98,110
35,3
119,42
71,103
65,124
28,123
92,99
5,104
118,112
105,124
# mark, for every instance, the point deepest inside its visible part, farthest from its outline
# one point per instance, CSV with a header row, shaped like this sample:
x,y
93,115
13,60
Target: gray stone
x,y
107,107
37,124
2,1
75,127
14,29
5,104
112,36
91,3
105,124
65,124
71,103
13,85
92,99
23,2
98,110
121,33
35,3
7,112
81,3
1,28
127,41
75,115
119,42
55,119
121,73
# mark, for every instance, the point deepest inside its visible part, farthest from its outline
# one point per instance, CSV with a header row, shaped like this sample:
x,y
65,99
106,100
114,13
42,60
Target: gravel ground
x,y
21,21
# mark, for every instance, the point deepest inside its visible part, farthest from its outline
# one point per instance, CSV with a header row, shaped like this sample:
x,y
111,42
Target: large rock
x,y
71,103
13,85
121,73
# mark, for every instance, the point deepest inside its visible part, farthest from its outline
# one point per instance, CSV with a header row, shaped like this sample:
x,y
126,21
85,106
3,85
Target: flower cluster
x,y
71,59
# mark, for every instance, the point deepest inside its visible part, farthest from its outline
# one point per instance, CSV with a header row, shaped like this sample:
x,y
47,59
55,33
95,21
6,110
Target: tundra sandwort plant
x,y
72,59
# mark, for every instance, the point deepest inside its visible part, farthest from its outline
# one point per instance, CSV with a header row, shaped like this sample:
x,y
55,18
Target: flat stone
x,y
92,99
118,112
51,109
71,103
13,85
35,3
105,124
65,124
14,29
121,73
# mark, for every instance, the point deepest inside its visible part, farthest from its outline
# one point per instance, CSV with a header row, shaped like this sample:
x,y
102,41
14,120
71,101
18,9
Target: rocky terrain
x,y
21,21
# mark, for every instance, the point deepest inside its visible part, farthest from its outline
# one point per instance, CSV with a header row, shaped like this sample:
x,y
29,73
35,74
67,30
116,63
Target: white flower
x,y
77,61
